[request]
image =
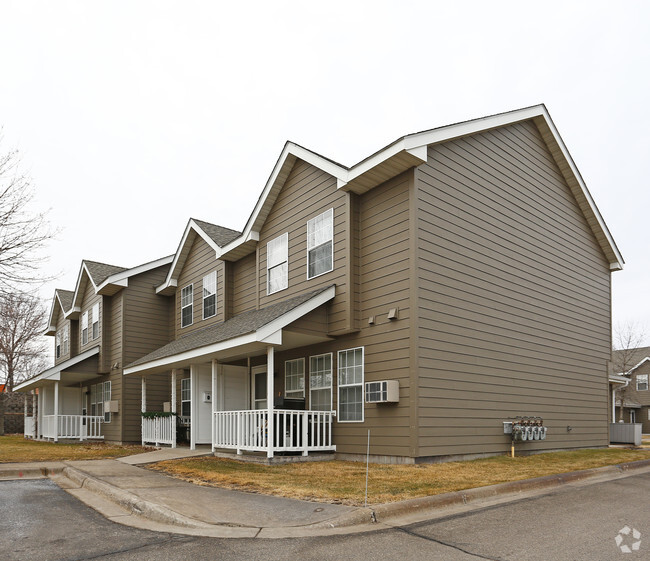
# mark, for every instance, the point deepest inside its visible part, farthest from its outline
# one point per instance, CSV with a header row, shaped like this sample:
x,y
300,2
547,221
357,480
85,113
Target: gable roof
x,y
62,301
636,356
260,324
409,151
106,279
215,236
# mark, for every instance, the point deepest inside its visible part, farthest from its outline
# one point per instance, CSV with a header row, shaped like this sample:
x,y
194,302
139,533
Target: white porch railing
x,y
30,425
294,431
79,427
159,430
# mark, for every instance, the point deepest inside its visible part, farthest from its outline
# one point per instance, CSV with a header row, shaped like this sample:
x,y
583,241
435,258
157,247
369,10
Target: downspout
x,y
614,400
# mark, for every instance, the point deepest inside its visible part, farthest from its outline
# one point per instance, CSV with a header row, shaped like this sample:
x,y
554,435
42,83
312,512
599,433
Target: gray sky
x,y
134,116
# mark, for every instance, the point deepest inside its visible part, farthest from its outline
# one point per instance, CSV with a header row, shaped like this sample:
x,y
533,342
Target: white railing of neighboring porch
x,y
159,430
79,427
294,431
30,425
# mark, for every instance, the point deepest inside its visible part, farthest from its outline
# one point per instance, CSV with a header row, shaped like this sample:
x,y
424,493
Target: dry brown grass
x,y
344,482
15,448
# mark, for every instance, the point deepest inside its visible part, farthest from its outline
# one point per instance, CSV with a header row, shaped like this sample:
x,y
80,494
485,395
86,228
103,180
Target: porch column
x,y
143,406
39,432
269,400
56,411
613,405
173,408
35,411
213,419
193,406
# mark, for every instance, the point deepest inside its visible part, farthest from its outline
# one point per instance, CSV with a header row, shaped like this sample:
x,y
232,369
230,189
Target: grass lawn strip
x,y
344,482
16,448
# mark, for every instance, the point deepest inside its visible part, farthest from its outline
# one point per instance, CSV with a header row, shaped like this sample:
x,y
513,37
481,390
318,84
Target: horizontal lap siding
x,y
200,262
243,285
89,299
146,328
61,322
514,300
307,193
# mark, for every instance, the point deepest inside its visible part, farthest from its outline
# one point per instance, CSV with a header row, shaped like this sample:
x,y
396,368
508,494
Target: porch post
x,y
173,408
193,406
39,432
613,405
269,401
56,411
143,406
213,419
35,411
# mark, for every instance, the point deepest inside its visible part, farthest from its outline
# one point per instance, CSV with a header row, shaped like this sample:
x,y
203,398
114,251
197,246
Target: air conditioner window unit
x,y
386,391
111,406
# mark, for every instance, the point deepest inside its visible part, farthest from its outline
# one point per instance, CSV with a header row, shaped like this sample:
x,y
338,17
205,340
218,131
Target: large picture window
x,y
95,320
210,295
84,327
320,382
320,244
294,378
350,381
187,308
277,264
99,393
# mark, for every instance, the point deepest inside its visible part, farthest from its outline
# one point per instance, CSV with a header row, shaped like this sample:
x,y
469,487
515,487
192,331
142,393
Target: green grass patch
x,y
344,482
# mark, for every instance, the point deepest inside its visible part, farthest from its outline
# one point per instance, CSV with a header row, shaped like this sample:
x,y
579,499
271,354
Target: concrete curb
x,y
30,472
132,502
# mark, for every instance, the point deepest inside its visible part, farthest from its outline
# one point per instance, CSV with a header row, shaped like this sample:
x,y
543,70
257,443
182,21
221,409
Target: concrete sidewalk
x,y
132,495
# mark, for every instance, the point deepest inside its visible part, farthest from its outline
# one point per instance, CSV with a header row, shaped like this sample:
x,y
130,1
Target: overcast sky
x,y
132,117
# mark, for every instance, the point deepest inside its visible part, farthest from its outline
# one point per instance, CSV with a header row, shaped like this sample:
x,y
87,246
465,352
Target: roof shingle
x,y
99,272
220,235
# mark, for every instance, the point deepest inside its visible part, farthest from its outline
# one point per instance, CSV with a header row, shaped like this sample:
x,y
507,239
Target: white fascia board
x,y
54,373
176,257
618,379
50,322
250,236
295,314
83,270
122,279
646,359
273,338
618,264
193,354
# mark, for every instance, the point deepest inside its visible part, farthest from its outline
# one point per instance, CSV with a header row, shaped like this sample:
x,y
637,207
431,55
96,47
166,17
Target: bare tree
x,y
627,339
22,349
23,233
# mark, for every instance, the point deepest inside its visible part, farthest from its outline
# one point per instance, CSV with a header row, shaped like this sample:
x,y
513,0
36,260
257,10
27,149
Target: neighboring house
x,y
454,280
633,365
110,319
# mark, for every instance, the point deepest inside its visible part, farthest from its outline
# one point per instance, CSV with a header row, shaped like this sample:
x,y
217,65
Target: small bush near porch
x,y
344,482
16,448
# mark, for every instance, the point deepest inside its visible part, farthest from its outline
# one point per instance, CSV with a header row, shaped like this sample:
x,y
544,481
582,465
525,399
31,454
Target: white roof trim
x,y
172,275
271,333
618,379
646,359
54,373
50,324
122,279
416,145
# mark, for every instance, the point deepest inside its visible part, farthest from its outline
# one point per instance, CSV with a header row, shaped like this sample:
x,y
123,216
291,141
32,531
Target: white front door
x,y
232,394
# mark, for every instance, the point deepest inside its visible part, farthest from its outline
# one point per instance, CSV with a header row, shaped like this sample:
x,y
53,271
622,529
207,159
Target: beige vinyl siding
x,y
60,326
200,262
88,300
514,298
146,327
307,193
641,397
243,285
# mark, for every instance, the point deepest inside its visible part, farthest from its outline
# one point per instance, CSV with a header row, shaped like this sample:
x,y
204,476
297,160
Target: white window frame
x,y
84,328
312,235
644,377
66,339
298,375
190,305
341,386
107,397
95,321
210,281
313,387
277,258
97,400
57,346
186,391
93,400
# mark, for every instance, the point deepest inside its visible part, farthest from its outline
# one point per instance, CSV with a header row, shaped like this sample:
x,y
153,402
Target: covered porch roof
x,y
245,335
80,368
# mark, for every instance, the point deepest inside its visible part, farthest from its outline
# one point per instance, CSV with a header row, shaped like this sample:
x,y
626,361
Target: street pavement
x,y
573,522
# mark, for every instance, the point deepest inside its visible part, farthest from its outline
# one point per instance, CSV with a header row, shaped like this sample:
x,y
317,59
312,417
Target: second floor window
x,y
210,295
66,339
58,344
95,320
187,308
277,264
641,382
84,327
320,244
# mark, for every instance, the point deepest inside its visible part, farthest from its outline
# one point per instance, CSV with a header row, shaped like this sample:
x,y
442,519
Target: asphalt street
x,y
40,522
